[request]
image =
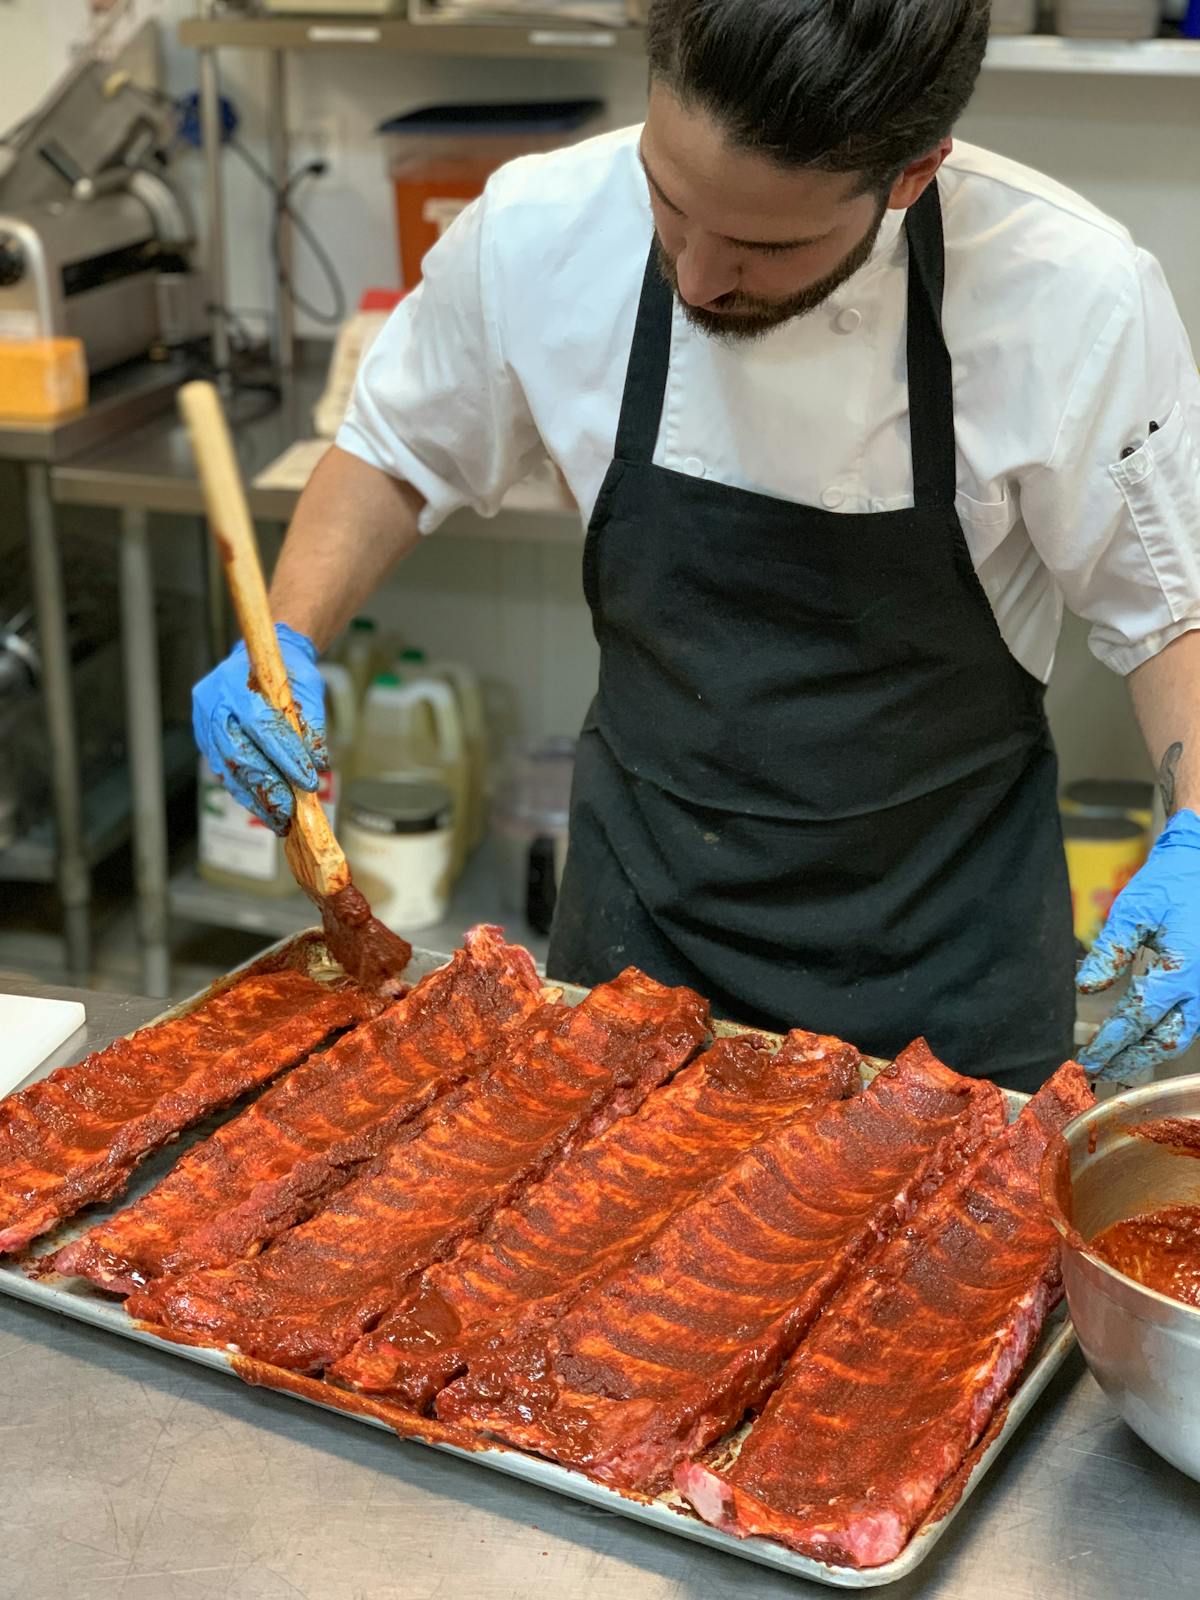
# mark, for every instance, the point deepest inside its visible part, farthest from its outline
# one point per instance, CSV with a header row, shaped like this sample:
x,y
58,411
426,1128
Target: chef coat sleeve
x,y
1121,533
435,402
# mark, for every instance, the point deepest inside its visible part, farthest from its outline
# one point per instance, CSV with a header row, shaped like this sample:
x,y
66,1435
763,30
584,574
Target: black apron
x,y
815,784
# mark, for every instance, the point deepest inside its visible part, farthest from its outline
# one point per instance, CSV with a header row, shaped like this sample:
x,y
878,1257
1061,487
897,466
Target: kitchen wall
x,y
35,36
1131,145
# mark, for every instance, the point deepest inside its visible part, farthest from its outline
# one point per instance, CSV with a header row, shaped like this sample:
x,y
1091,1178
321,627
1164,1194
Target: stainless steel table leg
x,y
143,711
215,611
74,878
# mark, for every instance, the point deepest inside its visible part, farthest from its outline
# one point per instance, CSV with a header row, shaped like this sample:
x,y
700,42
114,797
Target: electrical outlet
x,y
315,140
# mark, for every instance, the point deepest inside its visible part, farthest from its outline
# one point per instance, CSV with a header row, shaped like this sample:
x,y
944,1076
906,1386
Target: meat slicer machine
x,y
95,240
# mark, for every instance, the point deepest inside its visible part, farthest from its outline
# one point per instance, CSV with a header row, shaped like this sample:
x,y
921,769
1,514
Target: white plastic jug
x,y
341,709
470,704
415,726
356,652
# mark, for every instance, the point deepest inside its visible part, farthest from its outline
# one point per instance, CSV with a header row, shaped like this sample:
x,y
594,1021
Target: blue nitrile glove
x,y
253,748
1159,908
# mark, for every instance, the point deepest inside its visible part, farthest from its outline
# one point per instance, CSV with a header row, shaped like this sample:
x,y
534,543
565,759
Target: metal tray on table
x,y
74,1298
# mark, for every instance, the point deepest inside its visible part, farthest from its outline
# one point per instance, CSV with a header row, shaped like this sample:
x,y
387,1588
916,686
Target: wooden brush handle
x,y
313,853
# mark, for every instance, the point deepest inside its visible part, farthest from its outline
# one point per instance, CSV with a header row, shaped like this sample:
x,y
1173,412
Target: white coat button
x,y
694,467
832,498
848,321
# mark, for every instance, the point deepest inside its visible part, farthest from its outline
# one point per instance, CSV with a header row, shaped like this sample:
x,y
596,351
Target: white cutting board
x,y
30,1030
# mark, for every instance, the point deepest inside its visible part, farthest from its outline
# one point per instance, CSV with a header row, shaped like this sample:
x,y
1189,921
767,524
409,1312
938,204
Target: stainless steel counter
x,y
130,1474
151,467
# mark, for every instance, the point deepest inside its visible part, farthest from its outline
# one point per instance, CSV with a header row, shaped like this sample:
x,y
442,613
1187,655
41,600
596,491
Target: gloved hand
x,y
1158,909
252,748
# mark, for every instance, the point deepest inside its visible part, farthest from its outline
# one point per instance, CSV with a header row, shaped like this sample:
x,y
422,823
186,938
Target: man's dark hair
x,y
862,86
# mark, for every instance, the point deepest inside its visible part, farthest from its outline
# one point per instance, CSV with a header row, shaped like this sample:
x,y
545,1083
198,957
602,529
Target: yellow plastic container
x,y
41,379
1110,797
1103,853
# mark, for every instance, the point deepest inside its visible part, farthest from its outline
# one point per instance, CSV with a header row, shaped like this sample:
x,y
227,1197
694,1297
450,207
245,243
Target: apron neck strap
x,y
930,386
649,364
930,380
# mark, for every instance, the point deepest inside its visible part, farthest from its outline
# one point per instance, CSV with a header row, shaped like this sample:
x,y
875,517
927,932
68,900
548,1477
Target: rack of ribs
x,y
881,1405
596,1209
668,1353
310,1133
76,1136
563,1074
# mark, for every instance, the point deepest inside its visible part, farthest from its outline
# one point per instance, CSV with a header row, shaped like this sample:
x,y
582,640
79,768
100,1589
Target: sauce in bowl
x,y
1160,1249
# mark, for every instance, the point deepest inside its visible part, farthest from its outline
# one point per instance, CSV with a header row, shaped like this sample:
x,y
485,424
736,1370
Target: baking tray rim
x,y
103,1312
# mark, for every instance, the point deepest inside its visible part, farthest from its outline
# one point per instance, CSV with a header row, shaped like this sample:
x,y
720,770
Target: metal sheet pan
x,y
86,1304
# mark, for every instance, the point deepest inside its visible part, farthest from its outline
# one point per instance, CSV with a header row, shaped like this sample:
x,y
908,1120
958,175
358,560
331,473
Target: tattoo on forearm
x,y
1166,775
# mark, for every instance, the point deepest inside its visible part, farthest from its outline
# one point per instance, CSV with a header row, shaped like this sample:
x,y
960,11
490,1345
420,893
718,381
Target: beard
x,y
747,316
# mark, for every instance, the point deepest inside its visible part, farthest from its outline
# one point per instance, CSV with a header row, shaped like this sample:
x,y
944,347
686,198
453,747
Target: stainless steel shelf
x,y
1148,58
1160,58
151,467
476,899
390,33
118,401
107,817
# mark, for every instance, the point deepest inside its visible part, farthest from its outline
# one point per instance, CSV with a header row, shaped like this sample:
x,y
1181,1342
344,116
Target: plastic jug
x,y
414,663
236,851
341,710
356,653
470,704
530,817
414,725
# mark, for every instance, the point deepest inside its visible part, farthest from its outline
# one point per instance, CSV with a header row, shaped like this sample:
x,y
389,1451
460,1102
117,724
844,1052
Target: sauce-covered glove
x,y
251,747
1159,909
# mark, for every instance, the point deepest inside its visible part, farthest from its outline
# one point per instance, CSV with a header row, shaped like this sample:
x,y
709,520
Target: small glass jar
x,y
398,836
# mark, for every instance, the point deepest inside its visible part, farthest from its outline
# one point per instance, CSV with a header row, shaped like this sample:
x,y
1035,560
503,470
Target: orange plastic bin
x,y
442,156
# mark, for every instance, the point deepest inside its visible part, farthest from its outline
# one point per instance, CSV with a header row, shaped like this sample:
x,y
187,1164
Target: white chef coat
x,y
1065,342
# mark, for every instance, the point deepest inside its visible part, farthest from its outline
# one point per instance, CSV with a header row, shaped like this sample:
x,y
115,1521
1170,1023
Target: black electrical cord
x,y
283,207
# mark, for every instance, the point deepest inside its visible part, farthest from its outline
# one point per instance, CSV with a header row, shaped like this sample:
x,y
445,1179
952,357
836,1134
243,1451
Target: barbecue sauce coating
x,y
372,954
669,1352
308,1135
593,1211
1180,1134
562,1074
1160,1249
74,1138
904,1373
404,1424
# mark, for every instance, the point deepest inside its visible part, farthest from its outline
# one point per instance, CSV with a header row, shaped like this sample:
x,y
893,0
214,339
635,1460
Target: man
x,y
879,406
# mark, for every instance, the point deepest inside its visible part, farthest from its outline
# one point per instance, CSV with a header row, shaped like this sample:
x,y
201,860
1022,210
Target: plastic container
x,y
356,653
341,709
237,851
399,840
1103,853
1014,16
414,663
413,726
1111,797
1107,19
441,157
470,704
530,817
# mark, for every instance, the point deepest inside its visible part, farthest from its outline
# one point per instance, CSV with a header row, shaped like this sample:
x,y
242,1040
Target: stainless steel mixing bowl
x,y
1143,1348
